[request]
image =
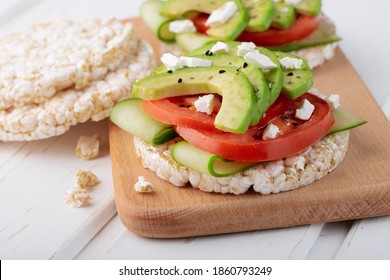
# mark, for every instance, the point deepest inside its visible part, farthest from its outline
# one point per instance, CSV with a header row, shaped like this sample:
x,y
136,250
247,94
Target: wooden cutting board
x,y
358,188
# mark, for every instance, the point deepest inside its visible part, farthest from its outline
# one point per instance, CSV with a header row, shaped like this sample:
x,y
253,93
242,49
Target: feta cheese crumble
x,y
245,47
292,2
219,47
334,100
259,60
143,186
271,132
181,26
305,110
291,63
171,62
222,14
205,104
195,62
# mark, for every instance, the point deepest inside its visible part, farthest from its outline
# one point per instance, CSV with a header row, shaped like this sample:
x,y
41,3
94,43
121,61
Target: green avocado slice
x,y
238,103
227,31
261,13
284,16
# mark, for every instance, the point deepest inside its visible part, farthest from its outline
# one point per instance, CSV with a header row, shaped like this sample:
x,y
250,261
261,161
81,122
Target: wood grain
x,y
358,188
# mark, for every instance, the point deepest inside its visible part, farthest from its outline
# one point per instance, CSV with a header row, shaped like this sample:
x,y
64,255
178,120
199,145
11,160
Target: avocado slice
x,y
238,103
189,41
261,13
284,16
296,81
309,7
227,31
255,77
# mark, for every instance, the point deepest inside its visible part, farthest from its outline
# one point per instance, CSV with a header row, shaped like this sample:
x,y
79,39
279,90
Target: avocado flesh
x,y
325,34
238,103
261,14
227,31
254,75
284,16
296,81
309,7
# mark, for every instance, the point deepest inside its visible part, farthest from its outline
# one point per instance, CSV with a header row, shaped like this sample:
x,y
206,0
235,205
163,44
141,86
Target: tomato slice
x,y
181,111
302,27
295,135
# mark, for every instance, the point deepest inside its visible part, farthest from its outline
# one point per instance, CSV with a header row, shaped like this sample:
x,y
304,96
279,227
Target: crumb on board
x,y
86,179
143,186
88,147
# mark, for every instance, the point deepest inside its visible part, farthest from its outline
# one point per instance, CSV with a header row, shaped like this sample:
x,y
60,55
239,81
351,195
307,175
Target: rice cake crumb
x,y
88,147
86,179
143,186
76,197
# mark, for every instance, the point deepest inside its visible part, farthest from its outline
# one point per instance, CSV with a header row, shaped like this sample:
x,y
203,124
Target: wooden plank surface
x,y
358,188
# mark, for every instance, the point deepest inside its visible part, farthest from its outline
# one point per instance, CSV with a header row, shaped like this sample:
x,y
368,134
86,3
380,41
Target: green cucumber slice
x,y
296,81
204,162
261,13
131,117
344,120
150,13
190,41
309,7
284,16
325,34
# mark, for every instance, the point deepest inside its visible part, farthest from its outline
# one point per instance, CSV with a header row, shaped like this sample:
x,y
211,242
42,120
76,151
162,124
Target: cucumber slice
x,y
309,7
284,16
150,13
131,117
296,81
344,120
204,162
261,13
190,41
325,34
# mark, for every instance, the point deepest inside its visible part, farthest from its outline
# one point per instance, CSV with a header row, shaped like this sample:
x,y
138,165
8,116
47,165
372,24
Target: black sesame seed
x,y
180,80
290,74
245,65
221,71
295,124
207,52
170,71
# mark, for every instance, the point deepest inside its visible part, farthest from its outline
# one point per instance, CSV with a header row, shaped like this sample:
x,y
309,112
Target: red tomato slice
x,y
181,111
302,27
295,135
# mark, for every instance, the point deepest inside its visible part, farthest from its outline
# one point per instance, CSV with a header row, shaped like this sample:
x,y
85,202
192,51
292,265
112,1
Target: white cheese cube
x,y
220,47
180,26
305,110
334,100
205,104
195,62
259,60
292,2
171,62
291,63
222,14
245,47
271,132
143,186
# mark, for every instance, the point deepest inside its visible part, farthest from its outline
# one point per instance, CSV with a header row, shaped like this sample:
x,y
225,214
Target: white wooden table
x,y
35,223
